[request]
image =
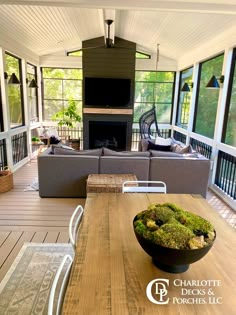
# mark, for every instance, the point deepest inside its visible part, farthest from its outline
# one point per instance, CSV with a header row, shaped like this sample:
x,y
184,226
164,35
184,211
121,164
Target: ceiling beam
x,y
205,6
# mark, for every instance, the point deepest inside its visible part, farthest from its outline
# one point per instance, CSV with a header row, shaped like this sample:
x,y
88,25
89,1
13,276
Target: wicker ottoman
x,y
107,182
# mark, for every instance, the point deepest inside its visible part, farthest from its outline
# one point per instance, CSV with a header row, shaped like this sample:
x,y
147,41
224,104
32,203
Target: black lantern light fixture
x,y
214,82
33,84
186,87
13,78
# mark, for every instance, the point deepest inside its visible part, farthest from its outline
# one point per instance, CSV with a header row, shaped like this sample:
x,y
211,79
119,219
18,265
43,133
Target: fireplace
x,y
111,135
111,131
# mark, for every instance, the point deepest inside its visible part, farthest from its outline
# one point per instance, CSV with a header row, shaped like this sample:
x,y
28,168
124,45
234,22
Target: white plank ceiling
x,y
180,26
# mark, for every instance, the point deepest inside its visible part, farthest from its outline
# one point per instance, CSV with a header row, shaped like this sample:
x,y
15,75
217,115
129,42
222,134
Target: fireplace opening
x,y
109,134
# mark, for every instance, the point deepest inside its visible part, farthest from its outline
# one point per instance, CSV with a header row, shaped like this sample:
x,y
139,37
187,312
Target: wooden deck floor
x,y
25,217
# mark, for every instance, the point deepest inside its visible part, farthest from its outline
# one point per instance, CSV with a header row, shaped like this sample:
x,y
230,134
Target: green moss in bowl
x,y
173,236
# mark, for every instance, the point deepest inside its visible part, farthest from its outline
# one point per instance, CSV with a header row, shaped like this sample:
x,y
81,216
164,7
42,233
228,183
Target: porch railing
x,y
19,147
3,154
179,136
201,147
226,174
76,133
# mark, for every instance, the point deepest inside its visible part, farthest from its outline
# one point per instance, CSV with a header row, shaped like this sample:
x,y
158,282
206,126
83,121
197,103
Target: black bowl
x,y
170,259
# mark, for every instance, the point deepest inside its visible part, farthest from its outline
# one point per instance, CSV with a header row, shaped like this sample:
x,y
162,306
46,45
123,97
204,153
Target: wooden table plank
x,y
111,271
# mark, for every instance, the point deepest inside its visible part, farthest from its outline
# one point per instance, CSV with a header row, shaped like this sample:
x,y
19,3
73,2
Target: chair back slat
x,y
73,227
144,186
63,287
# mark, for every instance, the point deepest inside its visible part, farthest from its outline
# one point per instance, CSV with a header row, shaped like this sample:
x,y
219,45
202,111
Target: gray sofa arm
x,y
64,175
181,175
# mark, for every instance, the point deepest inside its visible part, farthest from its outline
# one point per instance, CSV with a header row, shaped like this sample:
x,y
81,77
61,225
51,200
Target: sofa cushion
x,y
65,151
109,152
152,146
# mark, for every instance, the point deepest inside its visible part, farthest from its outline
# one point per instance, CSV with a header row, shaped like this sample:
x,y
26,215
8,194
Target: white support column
x,y
5,108
40,100
193,101
175,102
26,105
188,131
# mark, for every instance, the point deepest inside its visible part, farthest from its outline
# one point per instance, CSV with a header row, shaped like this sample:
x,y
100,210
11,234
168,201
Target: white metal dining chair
x,y
129,186
56,307
74,224
53,307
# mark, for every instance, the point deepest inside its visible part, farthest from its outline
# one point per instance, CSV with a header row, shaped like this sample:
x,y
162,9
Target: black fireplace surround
x,y
111,131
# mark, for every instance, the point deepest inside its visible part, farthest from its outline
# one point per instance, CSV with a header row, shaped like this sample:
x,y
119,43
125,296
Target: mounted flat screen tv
x,y
107,92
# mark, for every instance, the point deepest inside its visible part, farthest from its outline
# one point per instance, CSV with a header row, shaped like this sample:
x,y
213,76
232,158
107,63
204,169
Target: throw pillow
x,y
152,146
182,149
59,145
163,141
67,147
54,140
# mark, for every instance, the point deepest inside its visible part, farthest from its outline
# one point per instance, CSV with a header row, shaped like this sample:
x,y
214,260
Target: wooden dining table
x,y
113,275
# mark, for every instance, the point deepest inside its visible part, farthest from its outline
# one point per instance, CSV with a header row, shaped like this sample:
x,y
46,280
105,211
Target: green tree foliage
x,y
14,92
68,116
140,55
60,87
184,99
76,53
208,98
154,87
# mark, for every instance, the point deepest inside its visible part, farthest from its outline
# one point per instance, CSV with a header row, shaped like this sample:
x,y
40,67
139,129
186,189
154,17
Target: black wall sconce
x,y
13,78
186,87
32,83
214,82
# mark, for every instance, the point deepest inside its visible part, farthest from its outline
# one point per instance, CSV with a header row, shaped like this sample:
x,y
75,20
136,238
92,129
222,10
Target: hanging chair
x,y
146,121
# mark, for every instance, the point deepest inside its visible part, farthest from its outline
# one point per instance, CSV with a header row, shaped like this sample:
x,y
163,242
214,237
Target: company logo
x,y
156,291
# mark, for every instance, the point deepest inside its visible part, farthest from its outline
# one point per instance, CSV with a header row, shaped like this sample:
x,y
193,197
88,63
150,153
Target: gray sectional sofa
x,y
64,173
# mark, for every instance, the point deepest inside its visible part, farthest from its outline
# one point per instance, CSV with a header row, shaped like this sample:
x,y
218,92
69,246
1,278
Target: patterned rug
x,y
26,287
